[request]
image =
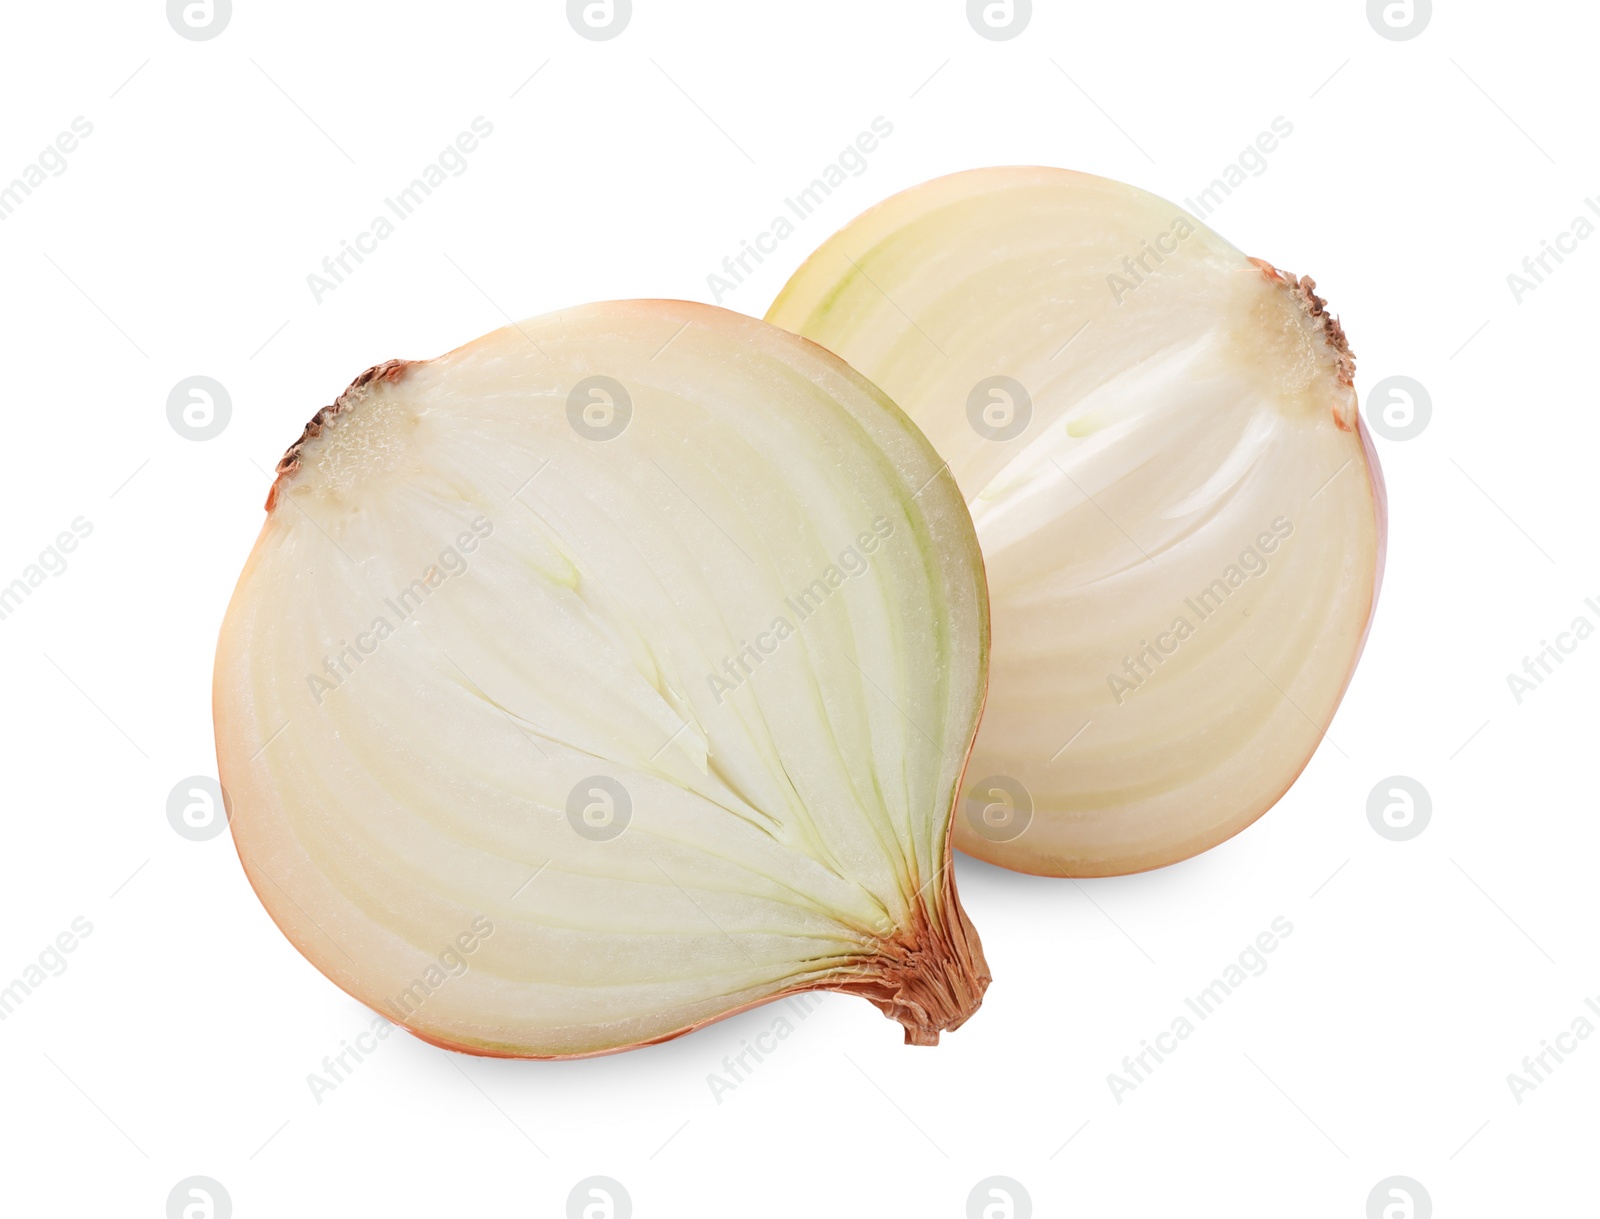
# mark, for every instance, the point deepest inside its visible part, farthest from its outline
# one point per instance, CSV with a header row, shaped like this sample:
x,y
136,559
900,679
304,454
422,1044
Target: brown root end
x,y
1304,290
931,977
389,370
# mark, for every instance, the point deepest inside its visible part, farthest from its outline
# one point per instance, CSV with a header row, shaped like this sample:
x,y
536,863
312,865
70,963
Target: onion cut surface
x,y
604,677
1181,515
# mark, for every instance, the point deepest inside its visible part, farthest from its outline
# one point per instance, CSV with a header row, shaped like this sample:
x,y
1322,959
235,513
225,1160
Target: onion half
x,y
1181,514
604,677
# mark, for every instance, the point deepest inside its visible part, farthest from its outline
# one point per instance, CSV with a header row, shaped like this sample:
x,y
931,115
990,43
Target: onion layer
x,y
1182,519
604,677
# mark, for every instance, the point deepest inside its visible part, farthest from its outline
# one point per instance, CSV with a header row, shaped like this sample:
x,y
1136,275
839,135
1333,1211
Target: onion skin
x,y
1380,506
927,971
1194,355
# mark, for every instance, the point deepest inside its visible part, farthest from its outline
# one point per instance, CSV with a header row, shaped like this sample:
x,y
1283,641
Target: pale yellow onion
x,y
1187,416
567,571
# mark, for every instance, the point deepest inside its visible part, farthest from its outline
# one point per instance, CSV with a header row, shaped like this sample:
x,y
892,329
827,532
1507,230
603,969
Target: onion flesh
x,y
1180,512
516,750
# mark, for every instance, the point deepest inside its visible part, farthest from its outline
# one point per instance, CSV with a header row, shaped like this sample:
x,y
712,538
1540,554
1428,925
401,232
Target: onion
x,y
1180,512
607,676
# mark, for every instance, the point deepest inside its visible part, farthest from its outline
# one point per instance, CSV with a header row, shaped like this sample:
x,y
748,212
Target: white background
x,y
177,242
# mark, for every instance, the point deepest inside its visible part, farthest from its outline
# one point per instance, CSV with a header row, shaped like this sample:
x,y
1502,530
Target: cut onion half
x,y
1180,511
607,676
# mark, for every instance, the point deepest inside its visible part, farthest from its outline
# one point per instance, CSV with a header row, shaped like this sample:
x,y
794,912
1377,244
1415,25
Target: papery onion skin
x,y
1180,398
388,805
